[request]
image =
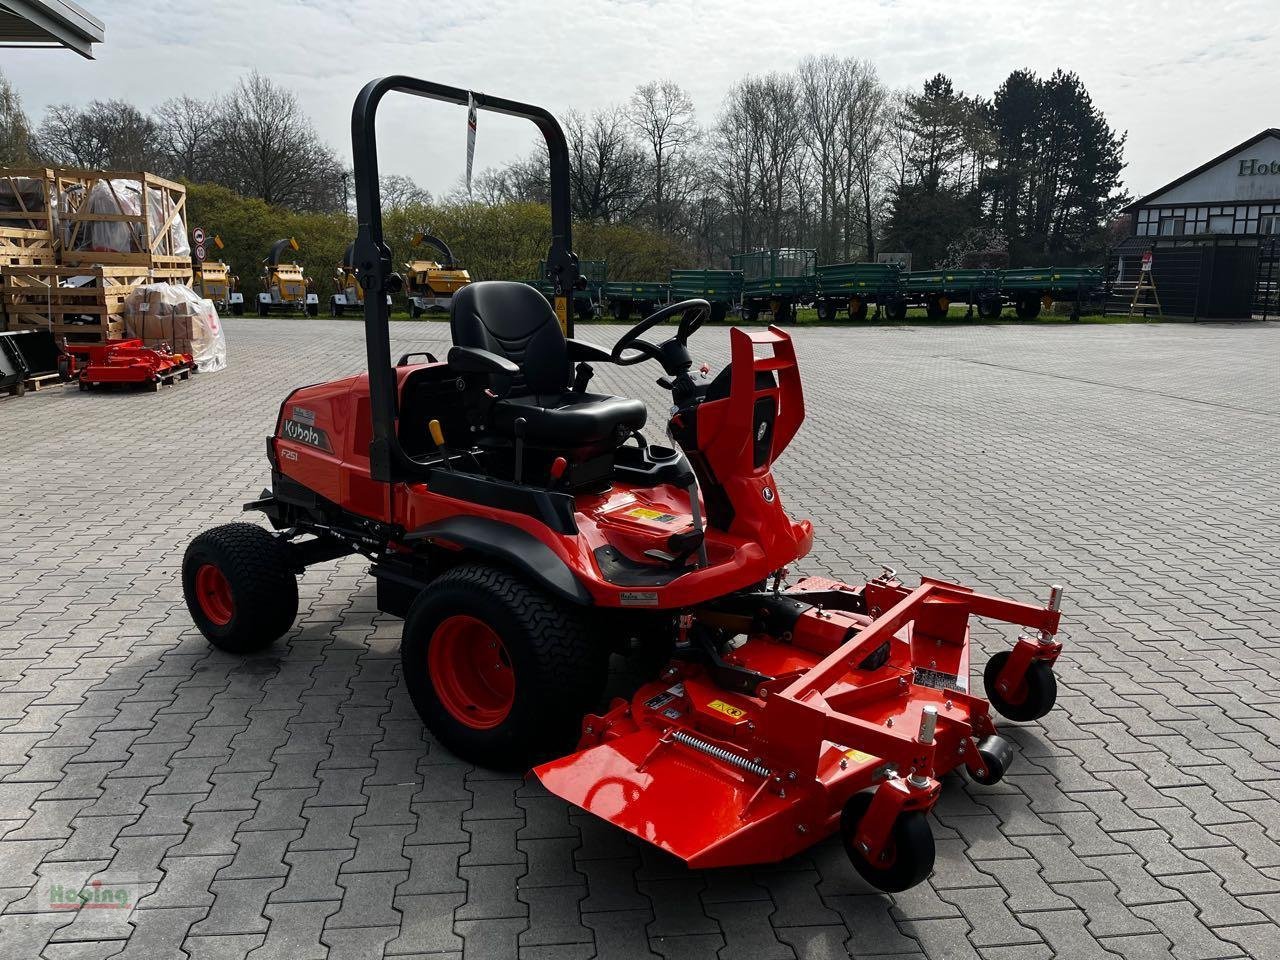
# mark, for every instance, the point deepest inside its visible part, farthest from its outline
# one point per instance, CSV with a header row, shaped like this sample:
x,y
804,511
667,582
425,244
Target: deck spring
x,y
720,753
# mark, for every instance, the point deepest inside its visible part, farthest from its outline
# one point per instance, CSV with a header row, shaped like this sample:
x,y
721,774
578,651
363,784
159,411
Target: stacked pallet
x,y
75,242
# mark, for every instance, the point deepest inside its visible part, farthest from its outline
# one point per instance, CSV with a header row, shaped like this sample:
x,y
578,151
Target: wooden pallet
x,y
43,298
34,384
152,241
27,216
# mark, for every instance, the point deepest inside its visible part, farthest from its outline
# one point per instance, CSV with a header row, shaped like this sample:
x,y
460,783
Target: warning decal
x,y
728,709
644,513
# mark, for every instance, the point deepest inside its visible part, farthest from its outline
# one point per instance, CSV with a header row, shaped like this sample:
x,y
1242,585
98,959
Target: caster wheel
x,y
907,858
1031,700
997,755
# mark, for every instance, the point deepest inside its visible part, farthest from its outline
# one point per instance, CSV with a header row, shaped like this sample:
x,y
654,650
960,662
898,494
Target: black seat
x,y
515,322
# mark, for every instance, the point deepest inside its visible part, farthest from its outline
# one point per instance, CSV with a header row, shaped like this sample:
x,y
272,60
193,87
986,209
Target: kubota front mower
x,y
526,530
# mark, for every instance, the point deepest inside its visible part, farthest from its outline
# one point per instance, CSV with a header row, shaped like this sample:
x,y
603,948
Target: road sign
x,y
198,234
200,252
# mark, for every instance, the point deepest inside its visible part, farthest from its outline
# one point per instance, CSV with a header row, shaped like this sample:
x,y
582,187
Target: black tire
x,y
857,309
990,308
937,308
237,309
896,310
750,311
826,311
784,312
997,755
559,666
333,309
585,309
719,310
1028,308
414,311
312,309
1036,698
907,858
262,309
263,589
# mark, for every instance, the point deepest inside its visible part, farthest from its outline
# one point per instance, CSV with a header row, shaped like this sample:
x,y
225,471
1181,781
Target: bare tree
x,y
398,192
863,129
15,128
606,167
663,117
103,135
824,95
773,106
269,149
734,160
187,129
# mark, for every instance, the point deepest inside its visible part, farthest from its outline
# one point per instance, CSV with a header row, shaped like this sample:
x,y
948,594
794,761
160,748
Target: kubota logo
x,y
306,433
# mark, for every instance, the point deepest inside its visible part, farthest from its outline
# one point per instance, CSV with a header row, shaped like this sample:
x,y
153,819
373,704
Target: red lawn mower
x,y
525,530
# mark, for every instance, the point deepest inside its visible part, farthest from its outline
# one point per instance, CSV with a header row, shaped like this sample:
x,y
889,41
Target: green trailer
x,y
721,288
588,298
777,281
937,290
854,287
621,297
1028,288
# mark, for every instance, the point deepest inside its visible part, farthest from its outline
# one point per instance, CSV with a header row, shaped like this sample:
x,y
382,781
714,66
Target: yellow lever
x,y
436,433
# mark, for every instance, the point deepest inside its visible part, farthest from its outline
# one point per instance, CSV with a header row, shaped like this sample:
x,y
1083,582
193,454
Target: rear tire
x,y
937,308
1028,308
239,587
896,310
857,309
826,311
557,668
262,309
990,308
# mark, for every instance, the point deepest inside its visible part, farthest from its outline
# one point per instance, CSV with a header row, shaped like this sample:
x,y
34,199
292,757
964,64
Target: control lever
x,y
518,428
437,434
699,529
582,376
558,466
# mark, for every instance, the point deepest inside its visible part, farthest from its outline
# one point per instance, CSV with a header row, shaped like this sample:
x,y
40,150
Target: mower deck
x,y
129,363
870,690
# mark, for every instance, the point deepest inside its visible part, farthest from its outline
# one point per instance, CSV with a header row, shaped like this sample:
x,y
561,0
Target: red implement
x,y
858,700
128,362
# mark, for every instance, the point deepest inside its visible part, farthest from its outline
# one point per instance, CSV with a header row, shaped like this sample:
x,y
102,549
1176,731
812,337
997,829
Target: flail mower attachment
x,y
125,362
841,710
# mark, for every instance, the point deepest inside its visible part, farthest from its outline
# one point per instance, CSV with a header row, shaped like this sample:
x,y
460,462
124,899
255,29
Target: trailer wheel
x,y
896,310
1028,308
907,858
937,307
585,309
239,587
262,309
857,309
500,672
237,309
1032,698
783,311
414,311
750,311
826,311
990,308
312,309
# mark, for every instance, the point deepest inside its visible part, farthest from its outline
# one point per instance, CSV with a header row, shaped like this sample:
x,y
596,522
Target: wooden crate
x,y
27,216
40,298
152,242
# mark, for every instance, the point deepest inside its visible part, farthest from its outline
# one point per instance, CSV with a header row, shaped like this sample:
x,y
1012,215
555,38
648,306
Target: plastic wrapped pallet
x,y
175,316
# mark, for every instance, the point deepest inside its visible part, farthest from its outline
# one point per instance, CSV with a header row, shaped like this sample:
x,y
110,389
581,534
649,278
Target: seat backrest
x,y
514,321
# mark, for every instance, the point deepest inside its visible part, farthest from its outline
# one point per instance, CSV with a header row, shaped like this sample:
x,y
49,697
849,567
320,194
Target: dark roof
x,y
49,23
1269,132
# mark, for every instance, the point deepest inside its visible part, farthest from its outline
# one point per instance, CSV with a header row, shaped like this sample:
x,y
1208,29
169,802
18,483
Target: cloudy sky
x,y
1186,78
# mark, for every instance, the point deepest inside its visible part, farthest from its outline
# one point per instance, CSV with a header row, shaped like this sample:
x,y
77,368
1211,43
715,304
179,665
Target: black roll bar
x,y
388,461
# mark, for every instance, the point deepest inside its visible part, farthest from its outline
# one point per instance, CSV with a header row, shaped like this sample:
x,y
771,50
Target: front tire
x,y
239,587
1028,308
907,858
1031,699
500,672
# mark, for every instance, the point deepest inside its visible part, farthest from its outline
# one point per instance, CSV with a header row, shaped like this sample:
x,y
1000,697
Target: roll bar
x,y
388,461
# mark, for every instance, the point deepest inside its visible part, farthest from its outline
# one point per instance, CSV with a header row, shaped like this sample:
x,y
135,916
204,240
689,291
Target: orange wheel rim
x,y
471,672
214,594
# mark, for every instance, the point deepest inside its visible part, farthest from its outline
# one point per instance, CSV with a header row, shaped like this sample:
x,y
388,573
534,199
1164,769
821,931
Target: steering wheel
x,y
695,313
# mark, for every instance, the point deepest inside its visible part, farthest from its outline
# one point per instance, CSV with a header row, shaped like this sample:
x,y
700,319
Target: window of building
x,y
1269,224
1221,223
1171,226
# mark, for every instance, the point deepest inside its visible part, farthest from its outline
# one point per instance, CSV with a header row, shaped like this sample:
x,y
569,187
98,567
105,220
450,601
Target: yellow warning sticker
x,y
857,756
644,513
728,709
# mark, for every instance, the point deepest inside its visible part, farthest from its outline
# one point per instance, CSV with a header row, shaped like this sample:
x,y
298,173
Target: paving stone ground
x,y
290,805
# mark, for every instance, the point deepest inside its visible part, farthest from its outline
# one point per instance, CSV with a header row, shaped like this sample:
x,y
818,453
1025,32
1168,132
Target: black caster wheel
x,y
1031,700
906,860
997,754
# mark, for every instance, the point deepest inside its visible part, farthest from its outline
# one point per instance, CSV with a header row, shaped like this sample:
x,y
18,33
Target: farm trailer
x,y
1028,288
777,281
936,290
854,287
621,297
720,288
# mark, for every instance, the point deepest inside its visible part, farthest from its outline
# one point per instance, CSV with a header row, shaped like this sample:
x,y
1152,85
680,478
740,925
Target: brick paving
x,y
290,804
